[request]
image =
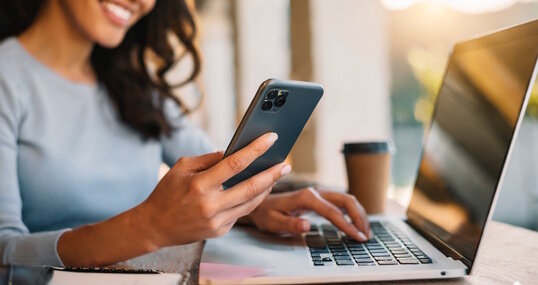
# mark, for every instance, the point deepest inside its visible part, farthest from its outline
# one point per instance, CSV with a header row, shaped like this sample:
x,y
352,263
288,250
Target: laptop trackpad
x,y
269,241
248,246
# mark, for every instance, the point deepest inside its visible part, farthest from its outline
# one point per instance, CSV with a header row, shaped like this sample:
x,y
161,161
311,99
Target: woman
x,y
85,123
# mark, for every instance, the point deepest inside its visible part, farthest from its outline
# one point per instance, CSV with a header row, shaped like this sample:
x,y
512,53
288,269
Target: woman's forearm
x,y
119,238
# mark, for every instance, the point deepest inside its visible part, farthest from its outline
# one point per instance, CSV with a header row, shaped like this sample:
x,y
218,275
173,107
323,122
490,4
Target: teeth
x,y
118,10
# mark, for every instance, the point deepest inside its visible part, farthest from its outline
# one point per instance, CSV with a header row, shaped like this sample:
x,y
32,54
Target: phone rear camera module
x,y
267,105
272,94
279,102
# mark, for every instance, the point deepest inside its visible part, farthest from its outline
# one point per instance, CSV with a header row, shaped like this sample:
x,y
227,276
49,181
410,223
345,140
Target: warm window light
x,y
465,6
479,6
398,4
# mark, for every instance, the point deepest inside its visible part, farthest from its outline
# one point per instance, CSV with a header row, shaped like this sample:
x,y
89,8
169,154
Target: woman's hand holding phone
x,y
189,203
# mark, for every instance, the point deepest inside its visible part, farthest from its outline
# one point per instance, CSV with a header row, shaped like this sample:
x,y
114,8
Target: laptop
x,y
465,151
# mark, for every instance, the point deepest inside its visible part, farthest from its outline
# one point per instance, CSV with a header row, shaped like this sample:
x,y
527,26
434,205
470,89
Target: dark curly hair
x,y
138,95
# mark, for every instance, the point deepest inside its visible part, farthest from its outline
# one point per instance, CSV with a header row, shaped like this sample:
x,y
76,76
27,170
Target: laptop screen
x,y
466,146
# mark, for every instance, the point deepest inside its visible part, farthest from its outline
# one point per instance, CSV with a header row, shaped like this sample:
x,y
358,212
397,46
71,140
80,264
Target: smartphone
x,y
280,106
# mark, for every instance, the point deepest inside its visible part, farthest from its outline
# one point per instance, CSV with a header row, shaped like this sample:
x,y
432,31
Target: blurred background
x,y
381,63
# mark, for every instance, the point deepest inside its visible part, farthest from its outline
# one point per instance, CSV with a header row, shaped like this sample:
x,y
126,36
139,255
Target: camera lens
x,y
280,101
267,105
272,94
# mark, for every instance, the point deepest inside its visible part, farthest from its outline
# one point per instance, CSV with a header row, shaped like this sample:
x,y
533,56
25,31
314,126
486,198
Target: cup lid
x,y
369,147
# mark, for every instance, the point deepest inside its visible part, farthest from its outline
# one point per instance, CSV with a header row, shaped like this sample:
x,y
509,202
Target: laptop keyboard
x,y
389,246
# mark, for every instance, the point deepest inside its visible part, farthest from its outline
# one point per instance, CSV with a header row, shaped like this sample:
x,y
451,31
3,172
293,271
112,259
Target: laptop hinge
x,y
439,244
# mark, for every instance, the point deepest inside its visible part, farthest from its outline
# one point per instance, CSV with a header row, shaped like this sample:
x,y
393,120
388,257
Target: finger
x,y
238,161
246,208
200,163
310,199
353,207
278,222
254,186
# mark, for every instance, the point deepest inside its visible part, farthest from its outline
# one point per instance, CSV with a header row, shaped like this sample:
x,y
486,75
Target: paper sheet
x,y
78,278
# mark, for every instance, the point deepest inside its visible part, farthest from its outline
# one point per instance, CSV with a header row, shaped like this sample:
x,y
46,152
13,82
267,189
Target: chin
x,y
109,40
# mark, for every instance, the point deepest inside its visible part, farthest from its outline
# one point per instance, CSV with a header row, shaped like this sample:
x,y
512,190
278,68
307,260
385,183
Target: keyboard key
x,y
381,254
319,250
363,259
330,234
383,258
377,250
338,250
315,241
408,261
399,251
344,262
425,260
316,258
361,255
334,240
403,255
326,259
336,258
318,263
393,262
367,264
327,226
341,253
357,251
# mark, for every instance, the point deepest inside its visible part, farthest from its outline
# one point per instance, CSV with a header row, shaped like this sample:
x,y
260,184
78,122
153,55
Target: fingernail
x,y
285,170
362,236
305,226
272,138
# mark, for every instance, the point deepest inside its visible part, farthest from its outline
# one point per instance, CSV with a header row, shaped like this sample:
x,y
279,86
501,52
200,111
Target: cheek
x,y
148,5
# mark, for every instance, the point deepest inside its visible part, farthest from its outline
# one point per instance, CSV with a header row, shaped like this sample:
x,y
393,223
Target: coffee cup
x,y
368,172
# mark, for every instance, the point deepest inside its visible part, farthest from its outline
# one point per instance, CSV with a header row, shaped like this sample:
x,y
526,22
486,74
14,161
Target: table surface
x,y
507,254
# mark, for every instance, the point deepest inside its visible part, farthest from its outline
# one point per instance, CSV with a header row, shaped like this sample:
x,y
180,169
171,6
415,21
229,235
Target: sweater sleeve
x,y
186,139
17,245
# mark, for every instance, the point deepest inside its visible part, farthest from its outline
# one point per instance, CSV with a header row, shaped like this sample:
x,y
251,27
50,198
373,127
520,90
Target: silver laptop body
x,y
478,111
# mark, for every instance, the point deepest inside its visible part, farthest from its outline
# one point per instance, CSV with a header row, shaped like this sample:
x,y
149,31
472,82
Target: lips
x,y
117,13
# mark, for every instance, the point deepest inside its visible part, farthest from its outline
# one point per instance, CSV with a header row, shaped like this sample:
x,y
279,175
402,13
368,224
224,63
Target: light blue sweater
x,y
66,159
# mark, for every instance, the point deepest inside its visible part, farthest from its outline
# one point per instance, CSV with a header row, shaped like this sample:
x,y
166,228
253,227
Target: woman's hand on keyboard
x,y
279,213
